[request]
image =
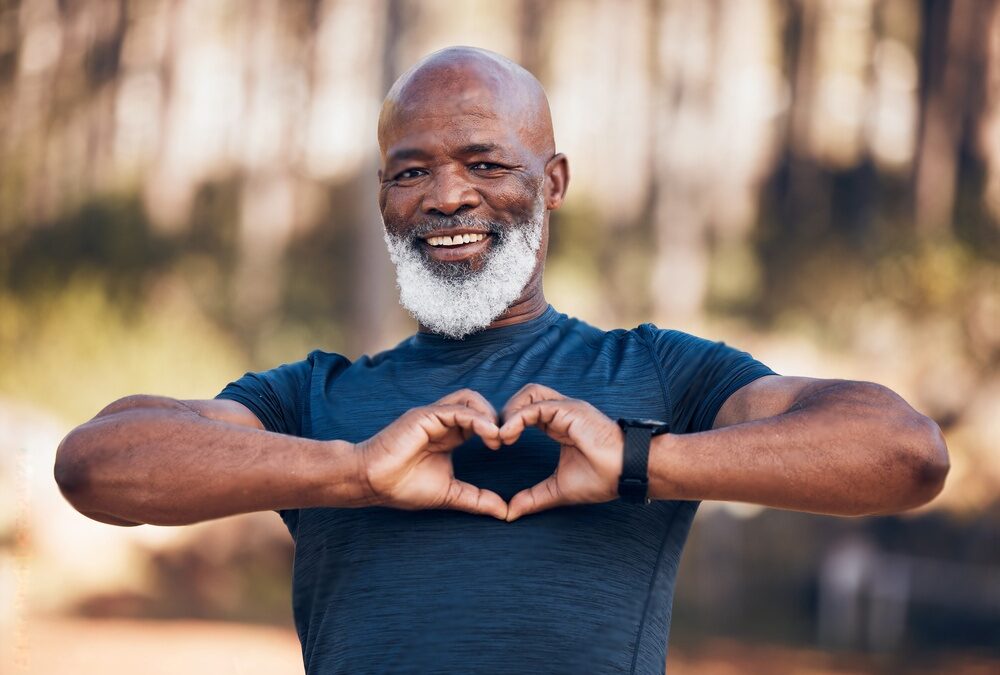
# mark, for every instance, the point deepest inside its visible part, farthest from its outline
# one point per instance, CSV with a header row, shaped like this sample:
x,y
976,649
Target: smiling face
x,y
468,175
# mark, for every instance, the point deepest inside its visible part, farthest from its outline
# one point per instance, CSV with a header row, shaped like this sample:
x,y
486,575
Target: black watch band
x,y
633,485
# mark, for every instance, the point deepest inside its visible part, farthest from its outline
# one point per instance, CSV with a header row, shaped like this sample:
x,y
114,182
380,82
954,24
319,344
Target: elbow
x,y
75,467
71,472
926,462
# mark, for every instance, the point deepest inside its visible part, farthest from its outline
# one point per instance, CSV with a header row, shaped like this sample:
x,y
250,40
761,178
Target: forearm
x,y
848,448
165,464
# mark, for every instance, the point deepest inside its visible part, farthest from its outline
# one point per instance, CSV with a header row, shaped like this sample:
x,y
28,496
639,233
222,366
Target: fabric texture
x,y
579,589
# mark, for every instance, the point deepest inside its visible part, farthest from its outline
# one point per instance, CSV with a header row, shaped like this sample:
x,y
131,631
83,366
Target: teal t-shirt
x,y
579,589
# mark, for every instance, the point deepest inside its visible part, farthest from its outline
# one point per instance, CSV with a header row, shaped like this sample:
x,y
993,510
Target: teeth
x,y
456,240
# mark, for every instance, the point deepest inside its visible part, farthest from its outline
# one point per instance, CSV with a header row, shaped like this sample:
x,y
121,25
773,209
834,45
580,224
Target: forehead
x,y
460,118
461,135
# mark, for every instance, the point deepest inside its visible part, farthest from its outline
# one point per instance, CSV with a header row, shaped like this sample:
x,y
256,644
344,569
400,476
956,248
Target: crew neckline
x,y
486,336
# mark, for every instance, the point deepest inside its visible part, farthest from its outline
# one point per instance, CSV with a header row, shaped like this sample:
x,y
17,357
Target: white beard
x,y
459,304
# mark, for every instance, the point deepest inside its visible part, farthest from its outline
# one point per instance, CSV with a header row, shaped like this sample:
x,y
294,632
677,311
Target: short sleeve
x,y
277,396
699,375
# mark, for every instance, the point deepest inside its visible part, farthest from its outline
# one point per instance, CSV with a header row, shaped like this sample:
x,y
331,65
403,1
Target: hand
x,y
408,464
590,454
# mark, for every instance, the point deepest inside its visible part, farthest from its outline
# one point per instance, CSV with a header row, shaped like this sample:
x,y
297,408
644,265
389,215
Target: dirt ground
x,y
107,647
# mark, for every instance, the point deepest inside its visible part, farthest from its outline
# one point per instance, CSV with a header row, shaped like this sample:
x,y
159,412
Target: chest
x,y
371,394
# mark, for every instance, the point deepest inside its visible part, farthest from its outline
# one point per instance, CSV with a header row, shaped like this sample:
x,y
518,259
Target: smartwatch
x,y
633,484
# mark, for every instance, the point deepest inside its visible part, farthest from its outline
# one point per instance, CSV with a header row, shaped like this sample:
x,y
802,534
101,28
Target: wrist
x,y
343,479
633,484
665,469
367,494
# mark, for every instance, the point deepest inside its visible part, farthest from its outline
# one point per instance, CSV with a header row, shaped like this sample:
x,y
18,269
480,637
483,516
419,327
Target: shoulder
x,y
668,346
316,360
570,326
670,337
277,396
289,378
673,344
324,360
700,373
646,337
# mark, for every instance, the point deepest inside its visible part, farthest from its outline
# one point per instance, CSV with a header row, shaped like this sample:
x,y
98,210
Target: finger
x,y
464,496
544,414
544,495
471,398
443,418
528,394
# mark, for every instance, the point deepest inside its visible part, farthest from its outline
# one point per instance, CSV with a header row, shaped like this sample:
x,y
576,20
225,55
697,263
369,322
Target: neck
x,y
525,309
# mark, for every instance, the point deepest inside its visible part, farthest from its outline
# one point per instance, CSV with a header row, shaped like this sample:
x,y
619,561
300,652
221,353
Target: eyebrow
x,y
408,153
477,148
417,153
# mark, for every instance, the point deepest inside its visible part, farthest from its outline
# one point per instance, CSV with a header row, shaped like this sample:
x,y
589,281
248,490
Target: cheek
x,y
395,207
516,196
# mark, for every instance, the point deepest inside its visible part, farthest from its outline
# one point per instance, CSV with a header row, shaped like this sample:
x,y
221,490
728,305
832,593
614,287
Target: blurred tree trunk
x,y
716,95
683,70
989,140
373,292
531,19
953,69
268,201
799,181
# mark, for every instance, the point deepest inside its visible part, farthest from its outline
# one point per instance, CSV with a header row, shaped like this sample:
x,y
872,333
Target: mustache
x,y
434,223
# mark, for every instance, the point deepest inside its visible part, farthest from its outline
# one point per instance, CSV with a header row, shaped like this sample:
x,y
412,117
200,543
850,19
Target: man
x,y
434,534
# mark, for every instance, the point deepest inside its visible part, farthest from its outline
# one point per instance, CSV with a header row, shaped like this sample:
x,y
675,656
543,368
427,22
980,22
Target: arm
x,y
147,459
150,459
824,446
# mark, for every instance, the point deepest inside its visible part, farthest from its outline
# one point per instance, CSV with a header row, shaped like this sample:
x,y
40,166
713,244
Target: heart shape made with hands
x,y
408,464
590,449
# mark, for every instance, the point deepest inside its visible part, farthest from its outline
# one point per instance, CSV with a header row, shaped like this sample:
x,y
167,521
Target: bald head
x,y
465,82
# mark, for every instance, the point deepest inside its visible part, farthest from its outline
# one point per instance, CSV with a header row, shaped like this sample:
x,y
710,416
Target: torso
x,y
575,589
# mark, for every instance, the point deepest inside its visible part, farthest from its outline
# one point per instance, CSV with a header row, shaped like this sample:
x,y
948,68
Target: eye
x,y
485,166
408,174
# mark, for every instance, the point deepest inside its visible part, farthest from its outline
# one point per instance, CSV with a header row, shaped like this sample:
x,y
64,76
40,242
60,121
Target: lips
x,y
455,245
456,239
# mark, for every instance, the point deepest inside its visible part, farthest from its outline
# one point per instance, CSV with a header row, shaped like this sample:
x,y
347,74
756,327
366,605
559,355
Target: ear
x,y
556,181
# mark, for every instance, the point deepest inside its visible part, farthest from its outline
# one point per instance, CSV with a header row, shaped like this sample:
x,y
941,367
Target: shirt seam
x,y
649,590
664,389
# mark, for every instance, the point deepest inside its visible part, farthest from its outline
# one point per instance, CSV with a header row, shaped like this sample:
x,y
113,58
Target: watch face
x,y
658,426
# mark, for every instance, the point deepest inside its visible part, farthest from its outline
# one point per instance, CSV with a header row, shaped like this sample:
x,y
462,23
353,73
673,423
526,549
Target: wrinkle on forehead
x,y
464,81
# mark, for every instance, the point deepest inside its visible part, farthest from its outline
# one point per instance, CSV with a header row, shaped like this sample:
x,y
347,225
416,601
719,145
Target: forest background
x,y
187,192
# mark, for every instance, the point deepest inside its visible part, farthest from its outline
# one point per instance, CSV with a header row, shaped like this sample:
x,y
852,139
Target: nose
x,y
450,194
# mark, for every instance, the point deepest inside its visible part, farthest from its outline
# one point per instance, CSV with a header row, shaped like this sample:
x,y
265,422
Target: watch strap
x,y
633,485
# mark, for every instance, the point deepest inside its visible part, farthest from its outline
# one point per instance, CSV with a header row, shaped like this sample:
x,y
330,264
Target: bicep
x,y
224,410
765,397
220,410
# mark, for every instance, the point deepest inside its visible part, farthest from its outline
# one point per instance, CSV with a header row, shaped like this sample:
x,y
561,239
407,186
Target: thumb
x,y
544,495
464,496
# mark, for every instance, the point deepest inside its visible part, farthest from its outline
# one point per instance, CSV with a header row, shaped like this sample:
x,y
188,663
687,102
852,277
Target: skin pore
x,y
467,132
